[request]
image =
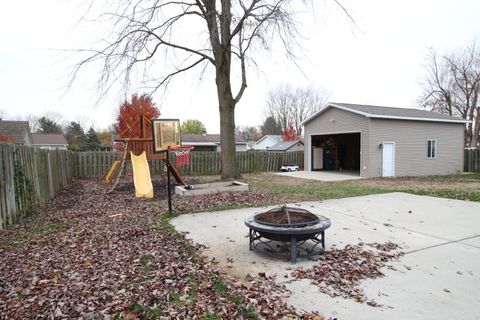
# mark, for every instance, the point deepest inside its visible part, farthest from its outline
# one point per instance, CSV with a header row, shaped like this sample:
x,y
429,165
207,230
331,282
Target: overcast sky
x,y
378,61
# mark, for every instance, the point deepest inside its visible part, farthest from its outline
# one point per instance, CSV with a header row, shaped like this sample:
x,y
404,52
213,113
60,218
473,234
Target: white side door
x,y
388,159
317,158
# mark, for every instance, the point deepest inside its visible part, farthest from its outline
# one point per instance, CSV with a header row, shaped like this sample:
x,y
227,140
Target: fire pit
x,y
301,228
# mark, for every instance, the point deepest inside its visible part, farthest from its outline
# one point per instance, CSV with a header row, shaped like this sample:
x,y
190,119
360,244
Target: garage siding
x,y
410,139
343,122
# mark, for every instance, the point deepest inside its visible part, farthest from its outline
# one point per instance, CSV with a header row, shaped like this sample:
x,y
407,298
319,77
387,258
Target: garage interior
x,y
336,152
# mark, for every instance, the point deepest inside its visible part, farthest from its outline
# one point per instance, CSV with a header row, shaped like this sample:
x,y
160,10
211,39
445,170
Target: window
x,y
431,149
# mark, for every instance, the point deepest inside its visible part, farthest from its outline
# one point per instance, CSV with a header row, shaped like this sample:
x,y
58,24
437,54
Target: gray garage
x,y
383,141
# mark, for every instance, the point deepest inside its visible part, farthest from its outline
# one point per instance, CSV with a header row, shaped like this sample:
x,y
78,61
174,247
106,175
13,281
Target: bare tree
x,y
293,105
452,86
249,133
224,33
188,34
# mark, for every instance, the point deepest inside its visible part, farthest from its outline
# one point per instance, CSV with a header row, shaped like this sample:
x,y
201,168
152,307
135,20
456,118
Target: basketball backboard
x,y
166,133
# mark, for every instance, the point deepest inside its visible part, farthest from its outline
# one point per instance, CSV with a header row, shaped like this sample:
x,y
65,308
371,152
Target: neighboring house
x,y
210,142
287,146
383,142
266,142
18,131
49,141
106,147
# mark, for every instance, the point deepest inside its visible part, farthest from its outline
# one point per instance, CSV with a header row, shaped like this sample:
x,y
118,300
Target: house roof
x,y
379,112
48,139
274,137
207,139
18,130
284,145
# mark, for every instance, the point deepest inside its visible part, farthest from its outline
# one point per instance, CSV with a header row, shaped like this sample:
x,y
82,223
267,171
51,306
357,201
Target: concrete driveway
x,y
323,175
437,278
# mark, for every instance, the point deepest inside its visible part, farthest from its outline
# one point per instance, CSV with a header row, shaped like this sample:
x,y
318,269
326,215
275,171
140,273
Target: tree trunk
x,y
227,139
476,129
226,106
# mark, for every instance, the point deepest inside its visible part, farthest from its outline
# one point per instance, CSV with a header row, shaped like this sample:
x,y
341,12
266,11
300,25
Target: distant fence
x,y
29,177
96,164
472,160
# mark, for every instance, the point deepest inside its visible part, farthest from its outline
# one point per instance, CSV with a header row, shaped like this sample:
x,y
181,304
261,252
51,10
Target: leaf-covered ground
x,y
91,255
341,271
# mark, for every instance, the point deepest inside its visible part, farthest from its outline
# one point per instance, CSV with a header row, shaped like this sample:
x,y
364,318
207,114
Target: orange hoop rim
x,y
173,148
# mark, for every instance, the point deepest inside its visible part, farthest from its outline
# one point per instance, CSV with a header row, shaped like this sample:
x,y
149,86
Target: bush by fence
x,y
472,160
29,177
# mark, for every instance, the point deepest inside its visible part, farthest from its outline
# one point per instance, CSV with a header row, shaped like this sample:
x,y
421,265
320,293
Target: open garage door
x,y
340,152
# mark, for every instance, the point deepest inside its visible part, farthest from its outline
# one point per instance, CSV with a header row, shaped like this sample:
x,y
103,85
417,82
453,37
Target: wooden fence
x,y
29,177
472,160
96,164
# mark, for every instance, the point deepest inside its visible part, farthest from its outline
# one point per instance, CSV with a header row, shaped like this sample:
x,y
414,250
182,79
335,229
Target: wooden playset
x,y
164,138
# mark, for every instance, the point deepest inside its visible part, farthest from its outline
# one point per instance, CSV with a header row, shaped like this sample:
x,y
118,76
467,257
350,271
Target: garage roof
x,y
389,113
48,139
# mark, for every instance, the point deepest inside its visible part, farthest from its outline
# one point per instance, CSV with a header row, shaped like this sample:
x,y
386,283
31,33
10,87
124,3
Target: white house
x,y
266,142
287,146
49,141
210,142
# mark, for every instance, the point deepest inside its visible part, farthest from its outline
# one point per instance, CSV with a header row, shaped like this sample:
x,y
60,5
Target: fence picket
x,y
472,160
29,177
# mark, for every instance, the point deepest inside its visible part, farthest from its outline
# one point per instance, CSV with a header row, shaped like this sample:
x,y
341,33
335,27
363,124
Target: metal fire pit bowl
x,y
270,231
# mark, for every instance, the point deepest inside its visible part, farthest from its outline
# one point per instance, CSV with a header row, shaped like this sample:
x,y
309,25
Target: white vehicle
x,y
289,168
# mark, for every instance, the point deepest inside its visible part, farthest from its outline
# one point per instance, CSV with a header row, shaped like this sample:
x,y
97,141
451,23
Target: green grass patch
x,y
460,177
316,191
148,312
250,313
236,299
428,185
220,288
447,193
163,224
176,300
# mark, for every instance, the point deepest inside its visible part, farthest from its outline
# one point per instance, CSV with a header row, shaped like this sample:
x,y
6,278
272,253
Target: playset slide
x,y
141,176
112,170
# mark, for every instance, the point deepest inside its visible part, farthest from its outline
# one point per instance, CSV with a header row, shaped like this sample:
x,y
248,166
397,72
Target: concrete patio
x,y
437,278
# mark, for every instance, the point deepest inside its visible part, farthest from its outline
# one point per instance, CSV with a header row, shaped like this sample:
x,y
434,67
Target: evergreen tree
x,y
91,140
75,136
46,125
271,126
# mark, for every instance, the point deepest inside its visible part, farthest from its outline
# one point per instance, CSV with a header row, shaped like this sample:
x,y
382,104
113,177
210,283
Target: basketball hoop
x,y
182,155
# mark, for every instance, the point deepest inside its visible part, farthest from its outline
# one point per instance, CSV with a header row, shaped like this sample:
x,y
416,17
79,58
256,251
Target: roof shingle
x,y
284,145
48,139
18,130
390,113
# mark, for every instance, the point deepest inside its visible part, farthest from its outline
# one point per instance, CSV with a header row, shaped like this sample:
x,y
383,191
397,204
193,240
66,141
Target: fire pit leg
x,y
293,249
251,239
323,239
